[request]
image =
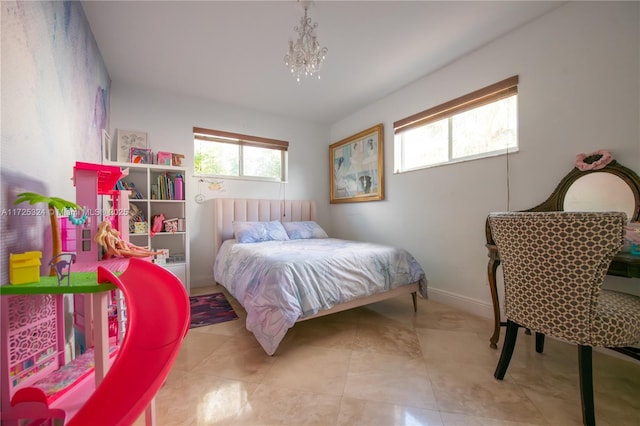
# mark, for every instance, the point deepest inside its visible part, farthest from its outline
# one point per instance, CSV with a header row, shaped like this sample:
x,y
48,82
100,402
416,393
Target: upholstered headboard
x,y
228,210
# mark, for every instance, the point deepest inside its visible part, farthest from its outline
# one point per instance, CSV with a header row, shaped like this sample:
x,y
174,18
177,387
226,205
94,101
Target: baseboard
x,y
467,304
206,281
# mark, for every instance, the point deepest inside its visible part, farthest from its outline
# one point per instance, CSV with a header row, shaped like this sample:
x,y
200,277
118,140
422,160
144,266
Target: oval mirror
x,y
600,191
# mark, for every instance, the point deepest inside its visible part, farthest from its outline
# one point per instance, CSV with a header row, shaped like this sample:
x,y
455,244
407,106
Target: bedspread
x,y
279,282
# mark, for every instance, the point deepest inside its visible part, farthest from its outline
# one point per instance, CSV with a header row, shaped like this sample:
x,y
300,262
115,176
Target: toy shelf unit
x,y
159,191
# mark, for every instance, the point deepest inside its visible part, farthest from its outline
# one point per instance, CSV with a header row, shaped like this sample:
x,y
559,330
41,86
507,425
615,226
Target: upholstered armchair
x,y
554,264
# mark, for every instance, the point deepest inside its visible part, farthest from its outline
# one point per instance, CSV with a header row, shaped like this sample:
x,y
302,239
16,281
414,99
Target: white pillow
x,y
254,232
304,230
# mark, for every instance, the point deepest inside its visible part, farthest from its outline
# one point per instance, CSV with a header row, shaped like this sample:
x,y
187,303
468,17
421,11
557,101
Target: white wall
x,y
579,91
579,69
169,122
54,99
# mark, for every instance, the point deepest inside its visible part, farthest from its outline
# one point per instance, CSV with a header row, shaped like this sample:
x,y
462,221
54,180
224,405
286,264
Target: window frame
x,y
241,140
495,92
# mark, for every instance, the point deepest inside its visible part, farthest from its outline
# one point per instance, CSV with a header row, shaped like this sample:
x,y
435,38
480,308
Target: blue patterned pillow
x,y
304,230
254,232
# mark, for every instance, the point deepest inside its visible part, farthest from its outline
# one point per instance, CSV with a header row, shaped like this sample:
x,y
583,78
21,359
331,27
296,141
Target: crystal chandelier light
x,y
305,55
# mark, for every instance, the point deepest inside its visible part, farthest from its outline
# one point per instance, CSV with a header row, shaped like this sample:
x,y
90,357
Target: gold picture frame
x,y
357,167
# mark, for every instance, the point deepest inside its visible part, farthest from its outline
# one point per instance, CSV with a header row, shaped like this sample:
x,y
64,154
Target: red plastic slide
x,y
158,316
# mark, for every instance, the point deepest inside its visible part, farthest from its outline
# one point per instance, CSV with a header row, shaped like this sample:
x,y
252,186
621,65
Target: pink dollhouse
x,y
95,193
93,181
33,338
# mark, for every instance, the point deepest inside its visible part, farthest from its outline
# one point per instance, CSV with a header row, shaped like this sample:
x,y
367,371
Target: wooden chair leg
x,y
507,349
586,385
539,342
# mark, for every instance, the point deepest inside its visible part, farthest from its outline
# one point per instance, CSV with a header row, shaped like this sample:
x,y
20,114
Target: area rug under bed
x,y
208,309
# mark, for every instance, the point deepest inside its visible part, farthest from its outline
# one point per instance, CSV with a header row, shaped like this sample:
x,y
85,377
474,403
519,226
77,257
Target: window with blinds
x,y
480,124
224,154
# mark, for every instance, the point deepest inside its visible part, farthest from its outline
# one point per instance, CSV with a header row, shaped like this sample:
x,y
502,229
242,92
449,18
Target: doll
x,y
115,246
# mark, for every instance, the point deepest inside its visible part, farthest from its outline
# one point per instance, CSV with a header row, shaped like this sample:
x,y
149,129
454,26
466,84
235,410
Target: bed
x,y
280,280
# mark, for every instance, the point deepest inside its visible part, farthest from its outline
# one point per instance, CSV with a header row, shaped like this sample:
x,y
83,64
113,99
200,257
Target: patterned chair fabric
x,y
554,264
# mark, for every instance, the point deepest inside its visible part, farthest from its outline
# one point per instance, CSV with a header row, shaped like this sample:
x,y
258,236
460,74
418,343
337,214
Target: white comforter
x,y
279,282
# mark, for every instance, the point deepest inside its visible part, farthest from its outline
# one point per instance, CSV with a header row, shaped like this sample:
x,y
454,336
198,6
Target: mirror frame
x,y
555,202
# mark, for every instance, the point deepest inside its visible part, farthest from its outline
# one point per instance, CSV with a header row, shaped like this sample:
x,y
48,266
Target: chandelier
x,y
305,55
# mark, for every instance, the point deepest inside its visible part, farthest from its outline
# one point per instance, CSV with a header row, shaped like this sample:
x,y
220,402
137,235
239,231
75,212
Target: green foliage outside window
x,y
230,159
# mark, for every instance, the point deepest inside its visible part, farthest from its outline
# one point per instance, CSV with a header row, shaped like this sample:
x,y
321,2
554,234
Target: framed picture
x,y
106,146
164,158
356,167
128,139
176,159
140,155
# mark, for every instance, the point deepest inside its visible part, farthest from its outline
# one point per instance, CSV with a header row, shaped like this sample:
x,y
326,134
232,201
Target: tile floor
x,y
385,365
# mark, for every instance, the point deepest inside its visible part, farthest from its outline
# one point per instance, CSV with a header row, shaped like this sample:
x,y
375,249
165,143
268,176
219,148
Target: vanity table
x,y
612,188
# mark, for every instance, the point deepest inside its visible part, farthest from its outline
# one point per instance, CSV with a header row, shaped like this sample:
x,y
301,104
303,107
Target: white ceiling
x,y
232,51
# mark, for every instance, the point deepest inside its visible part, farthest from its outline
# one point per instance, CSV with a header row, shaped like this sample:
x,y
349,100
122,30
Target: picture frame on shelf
x,y
127,139
140,155
106,146
176,159
164,158
357,167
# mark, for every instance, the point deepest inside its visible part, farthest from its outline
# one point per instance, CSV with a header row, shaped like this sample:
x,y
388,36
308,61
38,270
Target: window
x,y
224,154
480,124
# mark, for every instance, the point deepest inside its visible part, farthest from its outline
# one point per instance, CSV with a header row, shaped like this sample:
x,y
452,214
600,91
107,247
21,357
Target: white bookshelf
x,y
151,202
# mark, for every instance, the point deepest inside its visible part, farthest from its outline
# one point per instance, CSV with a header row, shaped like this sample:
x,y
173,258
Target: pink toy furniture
x,y
35,381
158,320
91,181
67,234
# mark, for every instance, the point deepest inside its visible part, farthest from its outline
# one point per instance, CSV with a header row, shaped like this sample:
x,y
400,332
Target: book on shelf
x,y
165,187
123,185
